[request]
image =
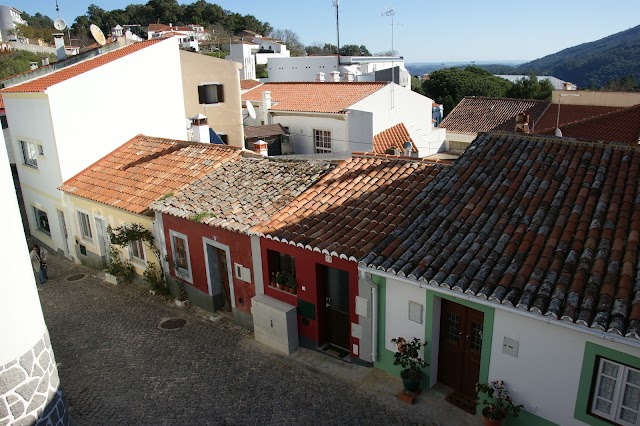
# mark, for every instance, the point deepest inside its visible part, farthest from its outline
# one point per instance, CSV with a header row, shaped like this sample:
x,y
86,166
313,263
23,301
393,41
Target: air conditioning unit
x,y
275,323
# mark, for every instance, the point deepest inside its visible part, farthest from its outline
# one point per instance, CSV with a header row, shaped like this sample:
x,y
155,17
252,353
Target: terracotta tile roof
x,y
353,207
313,97
622,125
145,169
243,193
268,130
569,114
394,136
478,114
549,226
249,84
42,83
163,27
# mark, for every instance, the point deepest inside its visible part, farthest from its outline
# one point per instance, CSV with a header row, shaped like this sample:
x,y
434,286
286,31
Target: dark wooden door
x,y
224,277
219,277
460,347
336,293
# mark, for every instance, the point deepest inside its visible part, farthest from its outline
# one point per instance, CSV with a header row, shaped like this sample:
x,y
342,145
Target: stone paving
x,y
117,366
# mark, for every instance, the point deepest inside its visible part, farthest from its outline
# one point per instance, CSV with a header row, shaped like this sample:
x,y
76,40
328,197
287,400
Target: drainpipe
x,y
374,315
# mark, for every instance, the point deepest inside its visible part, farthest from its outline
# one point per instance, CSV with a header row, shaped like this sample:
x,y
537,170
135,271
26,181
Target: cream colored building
x,y
216,77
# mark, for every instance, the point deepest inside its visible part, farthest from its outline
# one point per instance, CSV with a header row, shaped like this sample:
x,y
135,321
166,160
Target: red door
x,y
460,347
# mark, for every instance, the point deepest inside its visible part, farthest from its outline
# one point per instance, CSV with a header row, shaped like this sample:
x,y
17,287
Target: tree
x,y
625,84
354,50
291,39
448,86
530,88
416,85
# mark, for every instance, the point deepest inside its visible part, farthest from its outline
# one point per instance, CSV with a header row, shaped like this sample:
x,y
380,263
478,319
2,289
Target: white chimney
x,y
45,61
350,77
266,105
261,147
334,76
200,127
320,77
33,66
59,41
406,147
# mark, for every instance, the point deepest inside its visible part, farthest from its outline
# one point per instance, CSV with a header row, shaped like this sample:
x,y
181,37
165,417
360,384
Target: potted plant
x,y
291,283
497,402
281,278
409,359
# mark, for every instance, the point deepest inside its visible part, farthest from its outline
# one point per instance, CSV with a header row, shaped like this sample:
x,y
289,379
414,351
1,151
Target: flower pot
x,y
411,385
490,422
294,290
280,286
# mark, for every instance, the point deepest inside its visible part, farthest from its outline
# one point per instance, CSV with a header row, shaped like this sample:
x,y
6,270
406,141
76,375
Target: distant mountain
x,y
419,68
592,64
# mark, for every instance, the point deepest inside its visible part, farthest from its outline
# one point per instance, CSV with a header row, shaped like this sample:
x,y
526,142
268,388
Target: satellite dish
x,y
59,24
97,34
251,110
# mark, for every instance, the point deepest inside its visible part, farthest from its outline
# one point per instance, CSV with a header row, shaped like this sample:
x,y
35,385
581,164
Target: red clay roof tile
x,y
394,136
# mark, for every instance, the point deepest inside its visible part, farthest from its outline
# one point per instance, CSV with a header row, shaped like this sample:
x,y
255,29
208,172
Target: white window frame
x,y
182,273
29,153
621,385
142,259
322,141
35,214
81,224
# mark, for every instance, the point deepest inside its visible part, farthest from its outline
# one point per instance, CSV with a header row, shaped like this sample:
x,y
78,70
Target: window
x,y
136,250
29,151
322,140
85,225
224,138
280,262
180,249
42,221
4,122
211,93
616,395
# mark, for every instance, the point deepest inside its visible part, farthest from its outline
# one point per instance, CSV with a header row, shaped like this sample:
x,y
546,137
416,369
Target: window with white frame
x,y
136,250
322,139
180,250
85,225
616,395
29,153
42,220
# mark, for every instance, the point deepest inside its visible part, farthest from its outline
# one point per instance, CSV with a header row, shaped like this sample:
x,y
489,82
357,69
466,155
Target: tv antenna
x,y
391,12
336,4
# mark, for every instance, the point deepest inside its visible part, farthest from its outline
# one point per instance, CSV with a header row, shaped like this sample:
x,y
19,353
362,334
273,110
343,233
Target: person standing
x,y
39,262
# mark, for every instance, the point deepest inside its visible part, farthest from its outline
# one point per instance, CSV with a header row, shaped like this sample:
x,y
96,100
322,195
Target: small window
x,y
210,94
224,138
40,150
322,140
42,221
181,261
136,250
616,395
280,262
3,120
85,225
29,152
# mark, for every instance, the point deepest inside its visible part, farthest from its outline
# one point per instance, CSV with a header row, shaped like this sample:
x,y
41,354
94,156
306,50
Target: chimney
x,y
33,66
320,77
522,123
334,76
406,148
350,77
261,147
200,127
266,105
59,41
45,61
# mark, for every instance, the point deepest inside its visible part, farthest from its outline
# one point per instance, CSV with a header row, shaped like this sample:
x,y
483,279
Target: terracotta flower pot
x,y
489,422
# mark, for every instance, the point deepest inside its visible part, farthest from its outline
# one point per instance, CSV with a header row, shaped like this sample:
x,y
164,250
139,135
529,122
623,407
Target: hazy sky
x,y
424,31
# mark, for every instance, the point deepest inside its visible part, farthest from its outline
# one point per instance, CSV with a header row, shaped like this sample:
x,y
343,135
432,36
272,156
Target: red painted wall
x,y
239,251
306,262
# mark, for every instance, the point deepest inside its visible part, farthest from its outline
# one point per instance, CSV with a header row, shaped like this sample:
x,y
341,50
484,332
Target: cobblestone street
x,y
117,366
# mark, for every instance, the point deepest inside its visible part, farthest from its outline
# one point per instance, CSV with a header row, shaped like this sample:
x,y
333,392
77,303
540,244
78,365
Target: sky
x,y
423,31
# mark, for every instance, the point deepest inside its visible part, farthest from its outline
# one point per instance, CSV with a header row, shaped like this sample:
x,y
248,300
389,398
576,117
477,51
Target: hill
x,y
592,64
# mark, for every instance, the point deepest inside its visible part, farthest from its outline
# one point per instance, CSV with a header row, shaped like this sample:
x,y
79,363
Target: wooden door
x,y
219,277
224,277
336,302
460,347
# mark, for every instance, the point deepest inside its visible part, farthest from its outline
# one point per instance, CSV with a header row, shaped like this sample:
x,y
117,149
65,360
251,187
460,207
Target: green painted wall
x,y
589,370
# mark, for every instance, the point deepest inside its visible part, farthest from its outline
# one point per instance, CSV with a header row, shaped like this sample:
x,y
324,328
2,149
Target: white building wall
x,y
397,298
548,354
7,142
300,68
87,127
301,128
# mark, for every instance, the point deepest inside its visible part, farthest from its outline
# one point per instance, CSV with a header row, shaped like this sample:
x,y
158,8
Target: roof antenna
x,y
336,4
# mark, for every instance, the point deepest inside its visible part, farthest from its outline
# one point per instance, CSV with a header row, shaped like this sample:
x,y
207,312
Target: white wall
x,y
301,128
547,369
20,313
360,131
98,111
397,323
7,142
301,68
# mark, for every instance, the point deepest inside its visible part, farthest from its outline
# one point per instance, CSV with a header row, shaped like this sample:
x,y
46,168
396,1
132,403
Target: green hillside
x,y
592,64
